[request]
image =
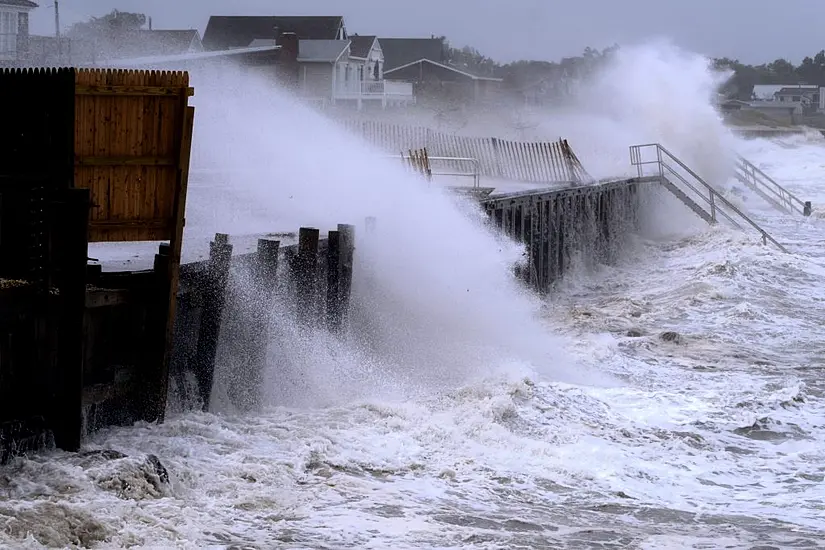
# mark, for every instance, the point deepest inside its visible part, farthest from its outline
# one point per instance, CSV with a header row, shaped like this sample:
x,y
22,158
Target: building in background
x,y
14,31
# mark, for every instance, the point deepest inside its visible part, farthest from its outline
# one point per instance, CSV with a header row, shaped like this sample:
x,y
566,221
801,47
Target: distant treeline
x,y
522,74
781,71
519,75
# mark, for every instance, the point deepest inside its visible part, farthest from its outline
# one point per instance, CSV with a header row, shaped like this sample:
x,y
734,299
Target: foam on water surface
x,y
602,433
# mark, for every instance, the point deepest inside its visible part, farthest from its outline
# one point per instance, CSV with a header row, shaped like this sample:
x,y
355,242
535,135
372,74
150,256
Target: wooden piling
x,y
806,210
334,265
67,412
267,267
151,399
214,298
247,385
306,273
347,254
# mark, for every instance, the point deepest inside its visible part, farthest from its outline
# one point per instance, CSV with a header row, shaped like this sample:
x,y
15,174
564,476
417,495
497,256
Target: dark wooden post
x,y
268,252
152,389
346,252
806,211
306,273
335,319
214,297
73,226
247,383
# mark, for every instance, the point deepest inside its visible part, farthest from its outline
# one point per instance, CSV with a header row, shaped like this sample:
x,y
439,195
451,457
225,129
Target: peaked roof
x,y
144,43
173,41
18,3
797,90
238,31
321,51
361,45
403,51
446,67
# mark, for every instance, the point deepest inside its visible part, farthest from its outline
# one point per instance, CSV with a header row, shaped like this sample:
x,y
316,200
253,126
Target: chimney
x,y
22,36
288,58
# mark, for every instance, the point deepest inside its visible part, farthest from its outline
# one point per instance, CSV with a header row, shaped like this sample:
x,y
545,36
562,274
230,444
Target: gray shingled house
x,y
14,30
423,62
239,31
331,66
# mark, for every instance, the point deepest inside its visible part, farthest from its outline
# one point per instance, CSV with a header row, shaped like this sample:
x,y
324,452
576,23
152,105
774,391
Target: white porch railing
x,y
375,89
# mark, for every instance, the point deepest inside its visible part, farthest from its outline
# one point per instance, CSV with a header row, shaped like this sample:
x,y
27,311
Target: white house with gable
x,y
14,29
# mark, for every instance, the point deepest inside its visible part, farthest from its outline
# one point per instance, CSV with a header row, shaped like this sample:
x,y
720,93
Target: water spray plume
x,y
434,291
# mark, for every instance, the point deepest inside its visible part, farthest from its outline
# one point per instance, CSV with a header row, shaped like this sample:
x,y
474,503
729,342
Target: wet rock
x,y
130,477
160,469
101,455
634,333
54,525
673,337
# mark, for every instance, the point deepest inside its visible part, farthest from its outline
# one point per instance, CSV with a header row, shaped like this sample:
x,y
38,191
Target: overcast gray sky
x,y
753,31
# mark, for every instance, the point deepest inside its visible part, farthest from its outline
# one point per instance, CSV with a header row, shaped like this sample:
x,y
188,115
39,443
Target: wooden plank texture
x,y
128,151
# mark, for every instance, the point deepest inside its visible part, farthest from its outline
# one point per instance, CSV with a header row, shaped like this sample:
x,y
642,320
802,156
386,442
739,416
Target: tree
x,y
780,71
112,23
111,33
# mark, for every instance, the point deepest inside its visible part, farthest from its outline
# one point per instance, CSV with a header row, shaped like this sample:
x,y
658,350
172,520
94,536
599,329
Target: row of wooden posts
x,y
321,270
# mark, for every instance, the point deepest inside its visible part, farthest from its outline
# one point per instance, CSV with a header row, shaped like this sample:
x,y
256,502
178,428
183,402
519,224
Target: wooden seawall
x,y
85,156
585,223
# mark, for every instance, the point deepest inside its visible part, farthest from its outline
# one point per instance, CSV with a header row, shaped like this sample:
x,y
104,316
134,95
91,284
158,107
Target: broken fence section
x,y
534,162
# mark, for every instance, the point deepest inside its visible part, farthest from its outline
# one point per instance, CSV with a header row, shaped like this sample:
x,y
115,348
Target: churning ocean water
x,y
672,400
711,437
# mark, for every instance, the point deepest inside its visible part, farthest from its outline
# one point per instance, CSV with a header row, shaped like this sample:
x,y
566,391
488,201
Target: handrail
x,y
758,180
474,162
475,174
713,197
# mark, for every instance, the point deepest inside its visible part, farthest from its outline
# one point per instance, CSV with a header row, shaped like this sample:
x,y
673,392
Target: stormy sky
x,y
753,31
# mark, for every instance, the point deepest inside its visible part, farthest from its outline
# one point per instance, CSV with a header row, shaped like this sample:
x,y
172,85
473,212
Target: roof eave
x,y
459,71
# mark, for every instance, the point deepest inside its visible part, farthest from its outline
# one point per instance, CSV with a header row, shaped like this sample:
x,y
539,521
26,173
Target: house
x,y
14,30
330,67
324,69
808,97
367,50
227,32
399,52
423,62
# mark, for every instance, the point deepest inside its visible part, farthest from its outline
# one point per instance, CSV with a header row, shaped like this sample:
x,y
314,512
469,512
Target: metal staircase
x,y
773,193
698,195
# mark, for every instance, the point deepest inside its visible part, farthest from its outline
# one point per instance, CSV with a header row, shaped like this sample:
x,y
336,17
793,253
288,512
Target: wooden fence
x,y
86,155
535,162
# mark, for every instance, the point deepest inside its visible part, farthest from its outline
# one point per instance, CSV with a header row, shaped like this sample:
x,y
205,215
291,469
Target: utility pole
x,y
57,31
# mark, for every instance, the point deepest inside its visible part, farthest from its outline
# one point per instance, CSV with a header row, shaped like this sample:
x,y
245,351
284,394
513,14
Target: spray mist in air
x,y
435,302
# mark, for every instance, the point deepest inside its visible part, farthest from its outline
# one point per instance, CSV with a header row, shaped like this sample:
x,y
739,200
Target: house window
x,y
8,32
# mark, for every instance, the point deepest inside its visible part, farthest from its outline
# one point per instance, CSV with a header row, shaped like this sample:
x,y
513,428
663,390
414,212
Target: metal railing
x,y
472,163
711,198
452,169
768,189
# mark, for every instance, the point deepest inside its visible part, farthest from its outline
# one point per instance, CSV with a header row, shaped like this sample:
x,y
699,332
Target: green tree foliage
x,y
108,27
781,71
110,35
